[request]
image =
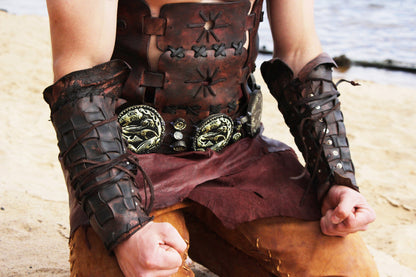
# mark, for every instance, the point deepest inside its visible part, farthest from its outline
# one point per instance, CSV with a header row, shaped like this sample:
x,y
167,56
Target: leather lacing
x,y
314,115
125,163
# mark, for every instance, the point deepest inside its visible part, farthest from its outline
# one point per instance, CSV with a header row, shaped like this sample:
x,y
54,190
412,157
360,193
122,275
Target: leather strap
x,y
154,26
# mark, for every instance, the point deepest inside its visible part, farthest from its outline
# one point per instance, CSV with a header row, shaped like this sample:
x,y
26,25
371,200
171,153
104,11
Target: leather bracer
x,y
311,109
92,152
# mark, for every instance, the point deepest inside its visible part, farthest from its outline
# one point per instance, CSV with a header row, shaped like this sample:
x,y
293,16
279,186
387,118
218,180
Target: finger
x,y
327,227
344,209
331,229
173,239
364,215
358,220
347,226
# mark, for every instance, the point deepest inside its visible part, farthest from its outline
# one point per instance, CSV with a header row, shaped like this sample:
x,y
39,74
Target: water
x,y
369,30
34,7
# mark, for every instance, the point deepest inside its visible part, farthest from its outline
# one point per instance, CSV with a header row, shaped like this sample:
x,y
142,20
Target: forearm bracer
x,y
92,152
311,109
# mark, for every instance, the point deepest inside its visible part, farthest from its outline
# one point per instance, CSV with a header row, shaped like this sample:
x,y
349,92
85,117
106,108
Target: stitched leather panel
x,y
189,24
202,81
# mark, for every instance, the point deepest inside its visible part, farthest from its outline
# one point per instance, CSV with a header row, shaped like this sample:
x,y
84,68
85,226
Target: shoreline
x,y
33,202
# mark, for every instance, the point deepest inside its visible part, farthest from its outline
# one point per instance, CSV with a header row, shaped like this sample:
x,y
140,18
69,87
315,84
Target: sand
x,y
33,200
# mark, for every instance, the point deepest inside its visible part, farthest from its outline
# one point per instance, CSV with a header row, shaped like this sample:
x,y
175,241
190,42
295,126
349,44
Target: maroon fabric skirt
x,y
250,179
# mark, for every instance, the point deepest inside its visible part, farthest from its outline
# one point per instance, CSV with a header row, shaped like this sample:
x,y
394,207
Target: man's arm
x,y
83,36
296,43
82,33
293,29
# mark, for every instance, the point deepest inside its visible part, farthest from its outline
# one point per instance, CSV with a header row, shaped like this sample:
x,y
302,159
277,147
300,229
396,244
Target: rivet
x,y
179,124
311,95
339,165
319,171
237,136
318,107
179,146
335,153
329,142
178,135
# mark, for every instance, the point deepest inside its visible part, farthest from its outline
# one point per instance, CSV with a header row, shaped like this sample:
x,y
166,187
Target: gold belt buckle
x,y
213,132
142,127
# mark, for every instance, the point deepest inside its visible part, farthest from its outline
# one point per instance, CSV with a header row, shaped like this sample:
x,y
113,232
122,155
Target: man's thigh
x,y
281,246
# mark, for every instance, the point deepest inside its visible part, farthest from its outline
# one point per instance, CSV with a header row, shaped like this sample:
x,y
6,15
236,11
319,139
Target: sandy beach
x,y
33,200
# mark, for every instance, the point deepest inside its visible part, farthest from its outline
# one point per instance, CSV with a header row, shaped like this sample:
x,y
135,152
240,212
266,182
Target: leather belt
x,y
147,131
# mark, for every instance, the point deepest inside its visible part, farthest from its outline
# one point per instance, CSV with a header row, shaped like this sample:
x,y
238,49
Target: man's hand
x,y
345,211
155,250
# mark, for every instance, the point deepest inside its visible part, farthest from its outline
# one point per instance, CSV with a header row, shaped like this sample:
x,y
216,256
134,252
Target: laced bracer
x,y
311,109
92,152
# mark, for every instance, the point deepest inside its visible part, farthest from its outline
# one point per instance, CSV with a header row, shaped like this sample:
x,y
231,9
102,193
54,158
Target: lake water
x,y
368,30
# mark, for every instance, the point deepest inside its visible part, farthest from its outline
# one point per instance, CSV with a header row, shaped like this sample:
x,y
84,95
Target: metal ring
x,y
213,132
142,127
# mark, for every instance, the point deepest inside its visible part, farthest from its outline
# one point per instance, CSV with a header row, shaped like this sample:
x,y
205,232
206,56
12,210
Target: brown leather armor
x,y
311,109
92,152
204,67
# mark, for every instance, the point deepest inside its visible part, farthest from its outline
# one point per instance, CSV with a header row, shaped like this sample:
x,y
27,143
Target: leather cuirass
x,y
208,52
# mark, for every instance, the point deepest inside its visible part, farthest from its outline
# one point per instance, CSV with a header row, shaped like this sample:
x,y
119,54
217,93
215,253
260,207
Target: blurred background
x,y
377,32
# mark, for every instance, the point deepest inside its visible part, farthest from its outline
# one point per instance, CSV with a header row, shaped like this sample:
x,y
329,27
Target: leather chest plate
x,y
190,24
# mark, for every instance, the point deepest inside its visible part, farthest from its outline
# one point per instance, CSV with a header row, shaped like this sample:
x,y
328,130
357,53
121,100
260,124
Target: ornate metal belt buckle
x,y
254,111
252,120
142,127
213,132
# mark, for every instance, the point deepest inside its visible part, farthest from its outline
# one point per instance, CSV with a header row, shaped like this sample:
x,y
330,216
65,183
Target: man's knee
x,y
298,248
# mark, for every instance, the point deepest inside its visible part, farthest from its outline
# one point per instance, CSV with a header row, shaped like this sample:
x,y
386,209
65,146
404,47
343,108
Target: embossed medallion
x,y
213,132
142,127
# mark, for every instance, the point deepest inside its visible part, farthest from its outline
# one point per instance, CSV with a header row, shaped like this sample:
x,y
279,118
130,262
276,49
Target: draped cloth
x,y
250,179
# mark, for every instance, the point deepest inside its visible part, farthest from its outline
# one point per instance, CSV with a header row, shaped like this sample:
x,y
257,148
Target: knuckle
x,y
165,226
149,263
